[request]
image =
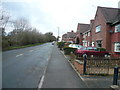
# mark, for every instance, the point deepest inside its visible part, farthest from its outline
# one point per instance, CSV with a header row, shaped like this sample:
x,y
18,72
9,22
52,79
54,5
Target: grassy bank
x,y
18,47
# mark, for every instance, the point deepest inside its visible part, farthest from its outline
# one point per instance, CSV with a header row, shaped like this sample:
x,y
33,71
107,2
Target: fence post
x,y
84,69
115,77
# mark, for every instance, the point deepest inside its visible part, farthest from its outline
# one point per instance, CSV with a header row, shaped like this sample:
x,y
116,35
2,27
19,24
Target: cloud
x,y
47,15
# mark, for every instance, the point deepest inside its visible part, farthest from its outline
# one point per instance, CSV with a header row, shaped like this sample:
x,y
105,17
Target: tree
x,y
21,24
4,17
50,37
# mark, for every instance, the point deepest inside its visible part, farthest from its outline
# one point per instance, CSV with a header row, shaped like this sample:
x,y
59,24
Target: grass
x,y
18,47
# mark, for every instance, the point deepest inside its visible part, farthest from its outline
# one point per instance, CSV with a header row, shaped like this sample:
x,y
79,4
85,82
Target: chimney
x,y
92,21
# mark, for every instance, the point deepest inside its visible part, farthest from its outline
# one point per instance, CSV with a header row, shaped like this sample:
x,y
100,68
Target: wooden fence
x,y
99,65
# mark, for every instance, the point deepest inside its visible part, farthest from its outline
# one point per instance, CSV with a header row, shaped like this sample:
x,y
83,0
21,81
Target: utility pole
x,y
58,34
58,31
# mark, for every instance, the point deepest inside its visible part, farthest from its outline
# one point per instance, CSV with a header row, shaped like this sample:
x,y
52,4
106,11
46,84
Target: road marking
x,y
19,55
31,50
43,76
41,82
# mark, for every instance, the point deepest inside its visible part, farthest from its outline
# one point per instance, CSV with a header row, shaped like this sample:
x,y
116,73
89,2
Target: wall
x,y
119,4
100,20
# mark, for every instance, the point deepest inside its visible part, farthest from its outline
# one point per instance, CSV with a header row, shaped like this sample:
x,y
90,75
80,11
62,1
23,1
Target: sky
x,y
48,15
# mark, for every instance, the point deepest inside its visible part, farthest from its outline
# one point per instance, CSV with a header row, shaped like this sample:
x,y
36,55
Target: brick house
x,y
82,30
106,30
69,37
87,36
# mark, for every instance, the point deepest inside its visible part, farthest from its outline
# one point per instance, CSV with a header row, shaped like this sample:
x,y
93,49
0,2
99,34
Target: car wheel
x,y
85,55
106,55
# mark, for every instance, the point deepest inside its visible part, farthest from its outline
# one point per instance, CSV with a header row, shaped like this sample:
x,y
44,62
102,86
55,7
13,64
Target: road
x,y
23,68
42,66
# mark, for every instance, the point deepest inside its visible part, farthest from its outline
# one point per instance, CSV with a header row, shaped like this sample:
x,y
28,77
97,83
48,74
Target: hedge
x,y
60,44
68,50
101,49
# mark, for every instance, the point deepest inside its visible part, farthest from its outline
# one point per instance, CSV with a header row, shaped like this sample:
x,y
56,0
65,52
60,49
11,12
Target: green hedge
x,y
68,50
60,44
101,49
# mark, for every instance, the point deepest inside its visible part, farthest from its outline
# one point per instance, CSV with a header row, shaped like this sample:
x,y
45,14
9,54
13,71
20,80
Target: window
x,y
93,44
117,47
88,43
117,28
83,35
98,28
91,48
99,43
88,33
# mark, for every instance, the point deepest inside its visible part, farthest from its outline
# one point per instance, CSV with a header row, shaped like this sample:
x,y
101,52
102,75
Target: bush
x,y
68,50
60,44
101,49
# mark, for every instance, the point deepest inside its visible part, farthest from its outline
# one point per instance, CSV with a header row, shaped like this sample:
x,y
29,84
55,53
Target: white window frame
x,y
117,47
88,43
98,28
93,44
88,33
117,28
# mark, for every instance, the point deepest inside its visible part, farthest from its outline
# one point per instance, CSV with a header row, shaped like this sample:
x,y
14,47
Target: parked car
x,y
91,51
75,46
53,43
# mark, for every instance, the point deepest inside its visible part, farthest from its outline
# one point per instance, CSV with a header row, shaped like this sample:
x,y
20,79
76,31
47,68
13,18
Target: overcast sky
x,y
48,15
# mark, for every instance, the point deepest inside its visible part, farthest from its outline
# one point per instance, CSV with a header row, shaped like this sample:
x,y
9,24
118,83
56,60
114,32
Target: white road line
x,y
41,82
19,55
31,50
43,76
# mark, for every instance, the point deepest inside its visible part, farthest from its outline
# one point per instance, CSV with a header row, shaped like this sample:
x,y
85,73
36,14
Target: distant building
x,y
69,37
82,30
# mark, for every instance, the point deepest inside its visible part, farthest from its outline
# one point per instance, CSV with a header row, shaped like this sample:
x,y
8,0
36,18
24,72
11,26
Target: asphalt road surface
x,y
23,68
42,66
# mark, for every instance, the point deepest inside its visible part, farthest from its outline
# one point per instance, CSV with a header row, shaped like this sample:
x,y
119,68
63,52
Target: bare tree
x,y
21,24
4,17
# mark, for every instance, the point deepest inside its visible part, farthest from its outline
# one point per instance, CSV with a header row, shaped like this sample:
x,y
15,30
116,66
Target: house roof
x,y
71,34
64,35
111,15
81,28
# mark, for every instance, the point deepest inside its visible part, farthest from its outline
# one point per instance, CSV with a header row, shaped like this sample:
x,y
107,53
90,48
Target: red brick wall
x,y
115,37
102,35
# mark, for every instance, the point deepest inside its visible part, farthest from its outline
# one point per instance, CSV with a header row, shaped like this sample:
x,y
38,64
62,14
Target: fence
x,y
101,65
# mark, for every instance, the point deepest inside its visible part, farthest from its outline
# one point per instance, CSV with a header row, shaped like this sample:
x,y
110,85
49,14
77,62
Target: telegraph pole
x,y
58,31
58,35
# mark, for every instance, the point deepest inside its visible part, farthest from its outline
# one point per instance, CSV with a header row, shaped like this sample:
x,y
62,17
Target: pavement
x,y
60,74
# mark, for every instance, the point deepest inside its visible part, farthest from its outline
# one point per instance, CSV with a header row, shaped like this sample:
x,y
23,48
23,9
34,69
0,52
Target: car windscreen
x,y
91,48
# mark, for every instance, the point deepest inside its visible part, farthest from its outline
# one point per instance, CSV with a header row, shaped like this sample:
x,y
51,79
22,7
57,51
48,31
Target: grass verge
x,y
18,47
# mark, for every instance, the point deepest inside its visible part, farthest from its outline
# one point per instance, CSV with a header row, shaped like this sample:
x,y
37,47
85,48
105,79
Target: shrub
x,y
101,49
60,44
68,50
